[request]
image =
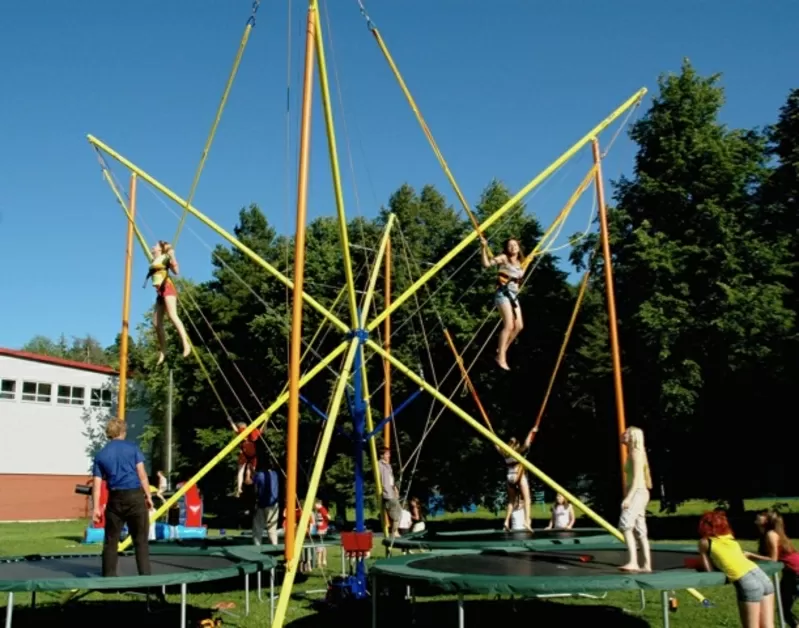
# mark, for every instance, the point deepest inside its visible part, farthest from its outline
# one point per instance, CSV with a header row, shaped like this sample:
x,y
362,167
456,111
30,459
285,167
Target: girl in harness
x,y
506,297
163,263
516,480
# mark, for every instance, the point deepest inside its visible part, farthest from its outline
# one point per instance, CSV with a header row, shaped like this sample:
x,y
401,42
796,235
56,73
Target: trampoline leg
x,y
9,609
246,595
461,612
664,603
374,601
33,599
183,605
778,599
258,584
643,601
343,562
271,595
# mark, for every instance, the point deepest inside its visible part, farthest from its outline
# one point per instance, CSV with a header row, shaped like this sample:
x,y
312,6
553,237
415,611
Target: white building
x,y
45,448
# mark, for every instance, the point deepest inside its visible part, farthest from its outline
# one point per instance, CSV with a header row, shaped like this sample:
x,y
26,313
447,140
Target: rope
x,y
468,379
566,338
417,112
207,148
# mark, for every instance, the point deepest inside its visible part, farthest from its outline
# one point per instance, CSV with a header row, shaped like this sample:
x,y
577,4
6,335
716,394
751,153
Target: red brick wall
x,y
41,497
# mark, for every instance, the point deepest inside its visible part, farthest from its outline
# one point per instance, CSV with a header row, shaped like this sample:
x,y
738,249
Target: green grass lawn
x,y
617,609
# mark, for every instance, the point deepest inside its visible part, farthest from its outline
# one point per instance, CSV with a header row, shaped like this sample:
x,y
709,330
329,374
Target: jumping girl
x,y
562,515
506,297
718,548
166,300
633,509
775,545
516,480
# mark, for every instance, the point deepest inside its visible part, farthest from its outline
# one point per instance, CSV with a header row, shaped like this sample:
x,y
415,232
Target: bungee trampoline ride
x,y
545,563
171,566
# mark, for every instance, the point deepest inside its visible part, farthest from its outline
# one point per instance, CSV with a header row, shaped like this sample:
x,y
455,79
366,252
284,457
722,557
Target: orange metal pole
x,y
615,352
123,344
292,428
387,346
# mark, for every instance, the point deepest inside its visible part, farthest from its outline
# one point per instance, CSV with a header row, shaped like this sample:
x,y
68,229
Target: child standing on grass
x,y
775,545
320,527
718,548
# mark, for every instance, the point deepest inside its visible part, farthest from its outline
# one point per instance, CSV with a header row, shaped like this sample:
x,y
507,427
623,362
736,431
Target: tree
x,y
700,287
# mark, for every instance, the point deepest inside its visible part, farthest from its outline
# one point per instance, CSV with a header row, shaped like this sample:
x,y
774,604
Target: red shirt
x,y
322,519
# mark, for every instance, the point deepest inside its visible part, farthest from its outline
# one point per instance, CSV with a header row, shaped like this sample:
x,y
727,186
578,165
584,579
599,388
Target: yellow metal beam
x,y
261,419
313,486
219,230
370,290
334,165
506,207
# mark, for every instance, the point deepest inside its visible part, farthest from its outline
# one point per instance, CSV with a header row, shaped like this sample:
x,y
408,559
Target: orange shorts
x,y
166,289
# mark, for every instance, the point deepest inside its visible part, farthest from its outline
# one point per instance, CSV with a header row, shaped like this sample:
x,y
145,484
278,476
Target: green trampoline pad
x,y
589,568
62,572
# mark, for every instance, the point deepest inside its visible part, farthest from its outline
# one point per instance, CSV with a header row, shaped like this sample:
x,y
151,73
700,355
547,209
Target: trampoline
x,y
170,566
549,572
486,539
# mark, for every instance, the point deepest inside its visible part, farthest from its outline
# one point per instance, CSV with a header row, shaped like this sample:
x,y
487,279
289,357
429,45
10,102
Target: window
x,y
101,398
36,391
71,395
8,389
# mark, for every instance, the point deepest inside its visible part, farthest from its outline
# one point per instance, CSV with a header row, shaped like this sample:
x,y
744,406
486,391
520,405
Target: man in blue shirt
x,y
121,465
265,514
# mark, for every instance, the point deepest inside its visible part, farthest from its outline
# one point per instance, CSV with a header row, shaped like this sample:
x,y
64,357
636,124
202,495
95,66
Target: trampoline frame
x,y
249,566
376,576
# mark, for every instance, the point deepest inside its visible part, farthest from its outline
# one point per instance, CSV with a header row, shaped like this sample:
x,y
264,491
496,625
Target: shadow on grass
x,y
395,611
119,613
79,541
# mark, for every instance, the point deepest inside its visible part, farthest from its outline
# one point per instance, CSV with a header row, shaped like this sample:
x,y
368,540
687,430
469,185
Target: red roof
x,y
47,359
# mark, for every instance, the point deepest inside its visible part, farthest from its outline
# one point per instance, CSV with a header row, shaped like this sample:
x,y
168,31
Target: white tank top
x,y
517,519
560,516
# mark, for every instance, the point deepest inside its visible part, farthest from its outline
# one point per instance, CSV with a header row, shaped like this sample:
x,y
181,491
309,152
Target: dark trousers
x,y
126,507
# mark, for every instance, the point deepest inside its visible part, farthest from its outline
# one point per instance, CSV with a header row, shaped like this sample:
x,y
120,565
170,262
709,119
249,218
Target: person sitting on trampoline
x,y
248,457
166,300
633,509
417,516
754,589
517,516
121,465
775,545
506,296
516,480
562,515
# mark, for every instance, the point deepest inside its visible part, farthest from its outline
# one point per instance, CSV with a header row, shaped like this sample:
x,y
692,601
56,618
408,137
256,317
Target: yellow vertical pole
x,y
123,344
387,347
615,352
292,427
324,89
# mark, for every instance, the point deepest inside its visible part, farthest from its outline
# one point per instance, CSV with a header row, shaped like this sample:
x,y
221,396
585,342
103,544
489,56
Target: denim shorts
x,y
754,586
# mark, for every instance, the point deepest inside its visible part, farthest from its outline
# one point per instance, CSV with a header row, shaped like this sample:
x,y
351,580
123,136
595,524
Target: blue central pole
x,y
359,441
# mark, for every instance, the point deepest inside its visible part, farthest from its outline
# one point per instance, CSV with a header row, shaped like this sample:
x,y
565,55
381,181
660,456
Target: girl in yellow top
x,y
166,299
633,509
718,548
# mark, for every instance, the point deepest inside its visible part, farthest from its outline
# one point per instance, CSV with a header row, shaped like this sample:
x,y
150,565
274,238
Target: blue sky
x,y
505,86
